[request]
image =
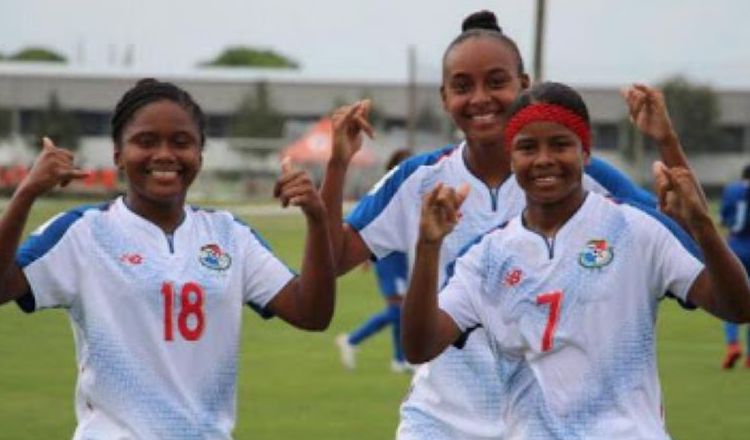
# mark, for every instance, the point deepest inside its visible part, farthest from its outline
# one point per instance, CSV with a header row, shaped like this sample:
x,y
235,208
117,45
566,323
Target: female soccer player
x,y
154,288
458,394
568,291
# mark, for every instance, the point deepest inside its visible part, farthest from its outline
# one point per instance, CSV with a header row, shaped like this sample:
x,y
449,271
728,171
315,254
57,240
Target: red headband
x,y
552,113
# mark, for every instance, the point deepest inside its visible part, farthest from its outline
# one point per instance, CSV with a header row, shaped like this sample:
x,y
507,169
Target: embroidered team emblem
x,y
214,258
513,277
597,254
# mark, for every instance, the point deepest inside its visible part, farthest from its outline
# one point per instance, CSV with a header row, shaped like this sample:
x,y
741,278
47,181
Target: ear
x,y
525,81
117,158
586,157
443,97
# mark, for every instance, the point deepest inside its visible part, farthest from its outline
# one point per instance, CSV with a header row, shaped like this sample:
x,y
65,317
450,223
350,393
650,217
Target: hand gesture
x,y
648,111
294,187
348,123
680,196
440,212
52,166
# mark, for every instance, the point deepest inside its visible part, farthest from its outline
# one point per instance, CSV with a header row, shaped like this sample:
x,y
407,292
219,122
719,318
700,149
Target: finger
x,y
365,107
661,183
47,143
286,165
432,196
462,193
365,126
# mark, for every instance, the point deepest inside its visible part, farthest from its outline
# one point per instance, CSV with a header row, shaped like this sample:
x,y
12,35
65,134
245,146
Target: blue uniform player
x,y
391,273
734,215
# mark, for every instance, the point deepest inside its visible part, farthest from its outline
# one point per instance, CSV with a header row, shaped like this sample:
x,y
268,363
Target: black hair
x,y
746,172
551,93
396,158
146,91
484,24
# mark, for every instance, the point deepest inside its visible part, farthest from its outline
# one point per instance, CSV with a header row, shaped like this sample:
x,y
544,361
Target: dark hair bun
x,y
481,20
147,82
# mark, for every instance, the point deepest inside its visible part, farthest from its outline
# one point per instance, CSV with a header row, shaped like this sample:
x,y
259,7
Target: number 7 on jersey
x,y
554,299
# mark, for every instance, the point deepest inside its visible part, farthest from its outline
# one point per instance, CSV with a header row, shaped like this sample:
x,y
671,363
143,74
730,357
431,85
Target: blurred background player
x,y
155,288
735,204
391,273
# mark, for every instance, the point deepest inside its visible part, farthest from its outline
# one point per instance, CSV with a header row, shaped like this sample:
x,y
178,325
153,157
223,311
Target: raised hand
x,y
294,187
648,111
52,166
349,122
680,196
441,212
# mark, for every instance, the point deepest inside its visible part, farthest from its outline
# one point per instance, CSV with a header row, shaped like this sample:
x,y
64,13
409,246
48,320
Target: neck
x,y
167,216
489,162
548,218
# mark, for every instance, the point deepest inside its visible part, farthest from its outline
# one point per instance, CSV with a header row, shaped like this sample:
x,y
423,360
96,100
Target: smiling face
x,y
548,160
160,153
480,81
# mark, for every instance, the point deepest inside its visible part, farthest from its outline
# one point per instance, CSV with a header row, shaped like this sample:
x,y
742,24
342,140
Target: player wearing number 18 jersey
x,y
154,288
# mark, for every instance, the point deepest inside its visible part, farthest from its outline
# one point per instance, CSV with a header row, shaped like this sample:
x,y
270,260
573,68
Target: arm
x,y
53,166
722,288
307,302
649,113
349,122
427,330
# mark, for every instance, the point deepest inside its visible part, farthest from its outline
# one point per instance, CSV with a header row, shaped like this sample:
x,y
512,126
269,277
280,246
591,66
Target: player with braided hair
x,y
154,288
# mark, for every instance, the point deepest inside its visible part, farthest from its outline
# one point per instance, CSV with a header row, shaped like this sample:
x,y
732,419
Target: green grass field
x,y
291,385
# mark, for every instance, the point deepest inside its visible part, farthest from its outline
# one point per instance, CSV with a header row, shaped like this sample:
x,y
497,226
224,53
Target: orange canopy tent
x,y
314,147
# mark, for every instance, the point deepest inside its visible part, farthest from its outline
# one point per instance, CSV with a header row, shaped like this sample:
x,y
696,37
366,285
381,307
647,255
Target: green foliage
x,y
57,124
240,56
38,54
256,117
695,113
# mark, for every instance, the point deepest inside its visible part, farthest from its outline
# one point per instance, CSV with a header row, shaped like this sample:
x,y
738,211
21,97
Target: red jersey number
x,y
554,299
191,305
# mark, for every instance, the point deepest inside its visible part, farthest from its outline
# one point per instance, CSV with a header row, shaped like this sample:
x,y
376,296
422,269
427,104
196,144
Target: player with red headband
x,y
568,290
458,395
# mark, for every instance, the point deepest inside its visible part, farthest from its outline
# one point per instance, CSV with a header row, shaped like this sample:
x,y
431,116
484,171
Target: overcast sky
x,y
607,42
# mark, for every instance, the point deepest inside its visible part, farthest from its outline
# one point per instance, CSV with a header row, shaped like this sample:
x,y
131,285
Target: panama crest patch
x,y
597,254
214,258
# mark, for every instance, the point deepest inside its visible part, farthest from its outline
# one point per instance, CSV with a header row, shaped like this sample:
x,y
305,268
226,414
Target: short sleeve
x,y
387,204
264,275
460,296
49,259
673,268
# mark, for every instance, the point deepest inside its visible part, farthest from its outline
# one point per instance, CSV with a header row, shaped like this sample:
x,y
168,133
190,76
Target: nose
x,y
544,155
164,151
480,95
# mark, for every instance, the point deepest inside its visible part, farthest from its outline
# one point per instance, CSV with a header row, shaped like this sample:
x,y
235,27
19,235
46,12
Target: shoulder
x,y
50,233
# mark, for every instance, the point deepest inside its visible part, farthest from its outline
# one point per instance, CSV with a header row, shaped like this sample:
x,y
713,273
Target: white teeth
x,y
548,179
484,118
164,174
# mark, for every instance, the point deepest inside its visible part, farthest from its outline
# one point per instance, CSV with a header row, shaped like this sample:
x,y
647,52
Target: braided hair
x,y
147,91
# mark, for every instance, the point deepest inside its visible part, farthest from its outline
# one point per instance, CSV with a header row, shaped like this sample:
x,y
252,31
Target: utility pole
x,y
539,40
411,98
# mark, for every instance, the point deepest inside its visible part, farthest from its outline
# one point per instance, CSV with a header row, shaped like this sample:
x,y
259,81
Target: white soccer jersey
x,y
458,394
156,319
573,319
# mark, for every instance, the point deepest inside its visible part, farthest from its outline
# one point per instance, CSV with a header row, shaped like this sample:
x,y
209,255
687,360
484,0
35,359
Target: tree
x,y
57,124
695,113
241,56
38,54
256,117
